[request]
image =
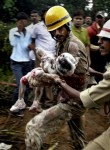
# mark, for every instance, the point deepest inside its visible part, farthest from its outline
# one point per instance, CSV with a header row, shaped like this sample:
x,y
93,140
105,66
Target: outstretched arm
x,y
95,73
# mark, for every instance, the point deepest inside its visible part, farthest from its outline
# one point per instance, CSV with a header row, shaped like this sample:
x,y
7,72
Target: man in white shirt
x,y
20,38
42,39
35,18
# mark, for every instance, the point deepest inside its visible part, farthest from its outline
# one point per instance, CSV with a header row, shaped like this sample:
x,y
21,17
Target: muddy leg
x,y
45,123
36,106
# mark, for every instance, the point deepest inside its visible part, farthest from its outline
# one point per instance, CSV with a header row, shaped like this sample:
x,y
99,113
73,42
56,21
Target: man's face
x,y
104,45
22,22
60,34
88,20
35,18
78,21
100,20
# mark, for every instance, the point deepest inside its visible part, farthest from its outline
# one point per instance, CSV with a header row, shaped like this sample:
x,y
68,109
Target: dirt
x,y
12,129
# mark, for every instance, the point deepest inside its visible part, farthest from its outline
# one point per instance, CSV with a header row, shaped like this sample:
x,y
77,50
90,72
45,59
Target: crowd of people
x,y
56,33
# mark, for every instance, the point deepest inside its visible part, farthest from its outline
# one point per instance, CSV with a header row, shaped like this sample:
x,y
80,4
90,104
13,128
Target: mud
x,y
12,129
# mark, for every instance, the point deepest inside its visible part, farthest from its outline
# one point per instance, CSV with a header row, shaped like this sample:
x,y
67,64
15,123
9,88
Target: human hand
x,y
31,46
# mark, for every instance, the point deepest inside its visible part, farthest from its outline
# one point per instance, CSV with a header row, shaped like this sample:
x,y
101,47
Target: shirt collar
x,y
74,28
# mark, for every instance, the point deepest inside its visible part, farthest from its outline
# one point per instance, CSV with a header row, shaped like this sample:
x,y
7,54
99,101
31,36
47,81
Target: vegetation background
x,y
9,9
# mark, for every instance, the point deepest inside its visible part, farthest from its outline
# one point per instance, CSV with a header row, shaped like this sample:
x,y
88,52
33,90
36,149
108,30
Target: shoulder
x,y
41,23
84,29
92,28
76,47
13,29
29,27
39,26
74,39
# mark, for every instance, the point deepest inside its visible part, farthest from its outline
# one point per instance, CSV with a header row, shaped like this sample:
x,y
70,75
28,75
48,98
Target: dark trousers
x,y
20,69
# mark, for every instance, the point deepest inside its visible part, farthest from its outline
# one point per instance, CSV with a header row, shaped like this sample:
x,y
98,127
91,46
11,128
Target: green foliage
x,y
12,7
5,51
4,76
9,7
103,5
4,42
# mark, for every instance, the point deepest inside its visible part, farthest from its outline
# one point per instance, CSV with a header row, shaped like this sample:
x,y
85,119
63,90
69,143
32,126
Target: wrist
x,y
62,83
17,34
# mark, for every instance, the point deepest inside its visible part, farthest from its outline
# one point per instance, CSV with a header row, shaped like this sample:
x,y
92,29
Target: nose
x,y
57,32
100,41
78,20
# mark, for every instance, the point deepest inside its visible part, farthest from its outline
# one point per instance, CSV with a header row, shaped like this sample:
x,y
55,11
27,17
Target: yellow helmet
x,y
56,17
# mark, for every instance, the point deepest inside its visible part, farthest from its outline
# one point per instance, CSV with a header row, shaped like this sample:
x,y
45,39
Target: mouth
x,y
103,51
59,38
78,24
64,64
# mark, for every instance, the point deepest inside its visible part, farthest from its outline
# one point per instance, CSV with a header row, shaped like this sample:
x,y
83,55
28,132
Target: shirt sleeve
x,y
35,32
13,36
96,95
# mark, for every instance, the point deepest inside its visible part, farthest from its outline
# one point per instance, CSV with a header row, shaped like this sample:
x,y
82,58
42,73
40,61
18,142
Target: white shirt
x,y
30,27
31,52
19,42
43,38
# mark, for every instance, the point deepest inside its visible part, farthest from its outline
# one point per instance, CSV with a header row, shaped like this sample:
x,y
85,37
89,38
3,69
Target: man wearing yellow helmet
x,y
57,21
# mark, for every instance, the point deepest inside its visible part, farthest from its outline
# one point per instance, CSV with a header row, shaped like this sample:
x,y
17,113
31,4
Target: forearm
x,y
88,54
95,73
13,39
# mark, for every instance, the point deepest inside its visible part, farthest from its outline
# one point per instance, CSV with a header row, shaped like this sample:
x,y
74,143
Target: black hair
x,y
67,26
34,11
22,15
43,11
79,13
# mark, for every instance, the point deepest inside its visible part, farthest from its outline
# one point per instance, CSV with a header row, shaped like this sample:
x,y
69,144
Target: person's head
x,y
78,18
22,18
34,16
88,20
57,21
104,39
100,19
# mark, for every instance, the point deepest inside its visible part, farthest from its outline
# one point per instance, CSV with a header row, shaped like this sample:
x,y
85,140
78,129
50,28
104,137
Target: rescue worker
x,y
57,21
